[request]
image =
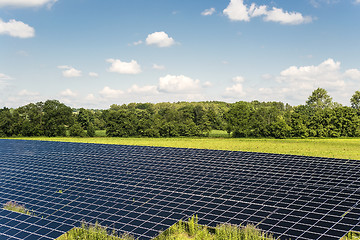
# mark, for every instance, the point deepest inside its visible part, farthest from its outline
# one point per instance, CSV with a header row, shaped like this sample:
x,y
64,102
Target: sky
x,y
92,54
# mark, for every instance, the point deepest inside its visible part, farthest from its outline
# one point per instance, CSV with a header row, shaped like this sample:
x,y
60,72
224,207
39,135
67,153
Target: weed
x,y
16,207
93,232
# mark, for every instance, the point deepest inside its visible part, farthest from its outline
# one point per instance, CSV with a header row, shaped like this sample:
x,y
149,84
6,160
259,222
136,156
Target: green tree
x,y
319,99
355,100
76,130
57,116
90,130
6,122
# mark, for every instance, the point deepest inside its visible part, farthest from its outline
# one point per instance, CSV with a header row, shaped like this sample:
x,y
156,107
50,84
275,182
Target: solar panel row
x,y
142,190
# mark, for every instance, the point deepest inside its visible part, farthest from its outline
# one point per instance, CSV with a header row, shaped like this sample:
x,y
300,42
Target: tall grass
x,y
351,236
92,232
16,207
191,230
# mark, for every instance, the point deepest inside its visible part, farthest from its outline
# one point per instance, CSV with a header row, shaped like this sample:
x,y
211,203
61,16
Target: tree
x,y
6,122
56,117
319,99
76,130
355,100
90,130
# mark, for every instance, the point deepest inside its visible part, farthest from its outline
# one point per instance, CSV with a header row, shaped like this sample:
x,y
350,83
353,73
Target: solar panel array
x,y
143,190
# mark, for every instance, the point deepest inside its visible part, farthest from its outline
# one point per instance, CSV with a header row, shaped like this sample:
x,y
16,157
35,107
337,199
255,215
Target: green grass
x,y
347,148
191,230
92,232
351,236
15,207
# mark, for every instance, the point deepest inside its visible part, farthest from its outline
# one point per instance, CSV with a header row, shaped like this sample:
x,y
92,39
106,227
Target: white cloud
x,y
26,3
327,74
118,66
4,77
143,90
236,90
292,18
27,93
208,12
107,92
68,93
357,1
90,97
238,79
352,73
15,28
207,84
294,84
238,11
178,84
69,71
137,43
93,74
160,39
158,67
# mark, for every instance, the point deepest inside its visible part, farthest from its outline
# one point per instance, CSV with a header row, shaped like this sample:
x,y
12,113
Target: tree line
x,y
318,117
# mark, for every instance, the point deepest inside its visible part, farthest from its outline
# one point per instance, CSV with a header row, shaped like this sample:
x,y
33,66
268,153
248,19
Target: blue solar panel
x,y
143,190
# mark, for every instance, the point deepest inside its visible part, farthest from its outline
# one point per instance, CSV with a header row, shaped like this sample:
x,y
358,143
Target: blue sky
x,y
92,54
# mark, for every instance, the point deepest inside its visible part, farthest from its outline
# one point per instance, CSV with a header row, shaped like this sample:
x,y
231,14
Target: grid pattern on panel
x,y
143,190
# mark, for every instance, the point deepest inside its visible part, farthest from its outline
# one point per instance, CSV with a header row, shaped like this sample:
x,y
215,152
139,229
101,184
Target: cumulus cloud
x,y
238,11
69,71
4,77
15,28
158,67
118,66
178,84
160,39
208,12
238,79
145,90
68,93
93,74
107,92
207,84
137,43
283,17
27,93
26,3
352,73
295,83
237,89
326,73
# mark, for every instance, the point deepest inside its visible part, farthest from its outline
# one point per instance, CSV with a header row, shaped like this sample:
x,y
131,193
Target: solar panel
x,y
143,190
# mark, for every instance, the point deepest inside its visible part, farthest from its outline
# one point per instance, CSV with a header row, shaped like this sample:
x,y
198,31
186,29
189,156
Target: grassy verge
x,y
347,148
15,207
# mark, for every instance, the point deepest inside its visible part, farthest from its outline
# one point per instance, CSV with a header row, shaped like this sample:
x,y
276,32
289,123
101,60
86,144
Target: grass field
x,y
347,148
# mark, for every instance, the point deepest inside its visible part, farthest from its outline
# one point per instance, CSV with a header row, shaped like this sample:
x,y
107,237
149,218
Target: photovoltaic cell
x,y
143,190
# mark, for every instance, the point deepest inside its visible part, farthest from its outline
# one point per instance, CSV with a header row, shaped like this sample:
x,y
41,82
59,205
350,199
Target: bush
x,y
77,131
90,130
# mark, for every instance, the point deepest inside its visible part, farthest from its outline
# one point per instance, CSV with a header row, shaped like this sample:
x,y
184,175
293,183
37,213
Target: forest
x,y
318,117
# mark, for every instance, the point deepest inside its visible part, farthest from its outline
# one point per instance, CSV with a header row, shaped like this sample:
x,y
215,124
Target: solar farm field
x,y
345,148
142,190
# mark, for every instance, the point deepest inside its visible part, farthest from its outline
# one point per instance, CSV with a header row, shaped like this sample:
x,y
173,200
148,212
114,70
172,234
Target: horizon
x,y
93,54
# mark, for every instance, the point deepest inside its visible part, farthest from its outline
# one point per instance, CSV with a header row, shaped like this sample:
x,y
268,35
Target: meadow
x,y
345,148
